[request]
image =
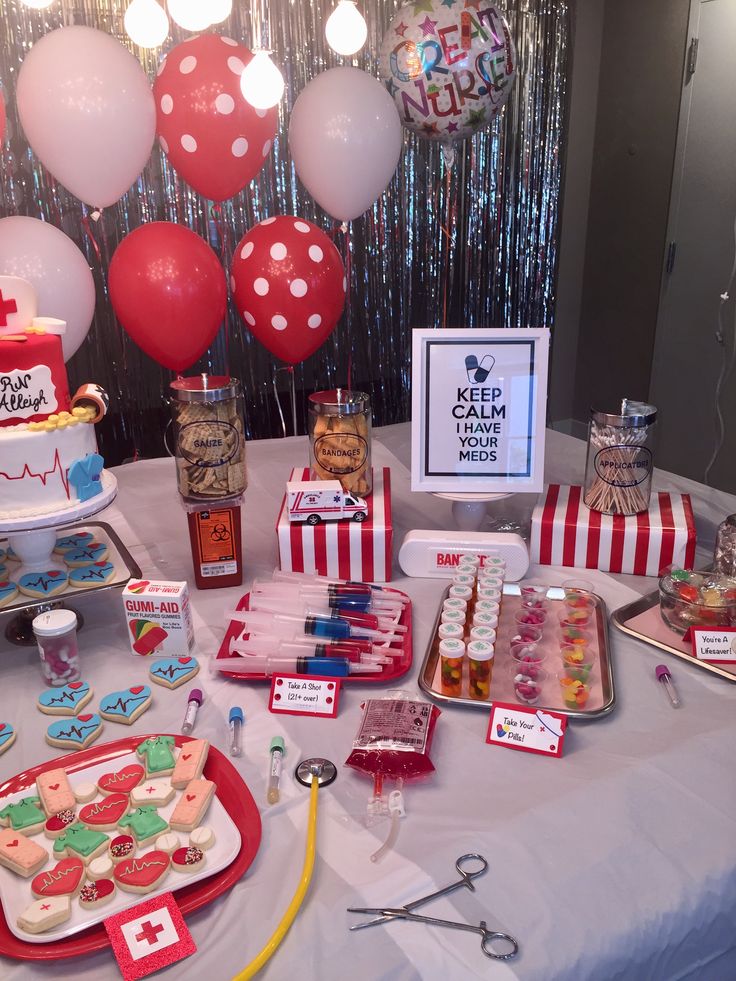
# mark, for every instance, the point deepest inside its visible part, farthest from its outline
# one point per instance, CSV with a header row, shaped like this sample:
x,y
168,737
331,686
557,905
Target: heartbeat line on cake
x,y
43,477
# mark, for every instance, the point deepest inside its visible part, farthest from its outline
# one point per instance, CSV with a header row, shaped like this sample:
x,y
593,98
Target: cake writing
x,y
27,393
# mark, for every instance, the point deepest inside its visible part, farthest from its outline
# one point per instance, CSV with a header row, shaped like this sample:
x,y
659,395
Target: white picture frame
x,y
479,402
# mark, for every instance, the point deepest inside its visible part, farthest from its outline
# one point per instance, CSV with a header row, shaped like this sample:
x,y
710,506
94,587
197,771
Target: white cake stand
x,y
32,538
469,508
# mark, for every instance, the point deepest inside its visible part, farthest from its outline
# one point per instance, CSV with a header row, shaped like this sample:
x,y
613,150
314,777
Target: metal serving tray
x,y
602,697
642,619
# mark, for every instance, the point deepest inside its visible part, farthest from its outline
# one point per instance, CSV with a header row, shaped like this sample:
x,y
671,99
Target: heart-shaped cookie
x,y
125,706
173,671
142,874
63,880
121,781
74,733
105,813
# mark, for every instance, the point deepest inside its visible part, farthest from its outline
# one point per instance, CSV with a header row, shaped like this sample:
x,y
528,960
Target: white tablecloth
x,y
616,861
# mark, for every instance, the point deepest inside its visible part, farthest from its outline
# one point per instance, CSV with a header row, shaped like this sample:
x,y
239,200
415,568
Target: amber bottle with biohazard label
x,y
209,446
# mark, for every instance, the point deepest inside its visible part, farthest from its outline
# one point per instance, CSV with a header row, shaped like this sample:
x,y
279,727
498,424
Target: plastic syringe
x,y
270,603
274,647
334,597
292,627
283,575
332,667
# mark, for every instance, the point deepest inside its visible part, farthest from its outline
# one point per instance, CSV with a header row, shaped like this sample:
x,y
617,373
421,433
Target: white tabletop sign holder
x,y
478,417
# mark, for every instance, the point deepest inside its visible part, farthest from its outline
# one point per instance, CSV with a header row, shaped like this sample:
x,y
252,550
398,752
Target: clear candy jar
x,y
701,599
56,636
340,439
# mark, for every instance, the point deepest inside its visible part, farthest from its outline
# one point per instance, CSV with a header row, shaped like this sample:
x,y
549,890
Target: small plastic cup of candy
x,y
487,606
533,595
575,694
483,619
526,654
577,616
531,617
452,655
528,690
453,616
454,630
526,634
574,635
489,593
463,579
480,656
578,593
576,663
56,636
455,603
461,592
481,632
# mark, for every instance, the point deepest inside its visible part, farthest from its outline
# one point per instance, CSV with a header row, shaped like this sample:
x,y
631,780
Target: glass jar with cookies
x,y
340,439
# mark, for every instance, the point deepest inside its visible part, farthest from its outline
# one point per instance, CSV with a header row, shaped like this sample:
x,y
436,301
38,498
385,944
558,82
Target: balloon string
x,y
222,235
93,241
348,305
289,369
448,230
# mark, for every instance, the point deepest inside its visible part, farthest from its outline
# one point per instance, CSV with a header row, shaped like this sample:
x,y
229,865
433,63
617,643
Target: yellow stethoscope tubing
x,y
273,942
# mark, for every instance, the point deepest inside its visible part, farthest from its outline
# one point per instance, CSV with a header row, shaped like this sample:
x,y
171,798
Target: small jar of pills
x,y
56,636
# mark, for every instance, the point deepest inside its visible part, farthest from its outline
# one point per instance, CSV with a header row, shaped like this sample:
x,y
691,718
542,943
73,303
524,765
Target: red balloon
x,y
214,139
168,291
289,286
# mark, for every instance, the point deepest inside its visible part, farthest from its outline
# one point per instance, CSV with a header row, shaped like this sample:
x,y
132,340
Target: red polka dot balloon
x,y
289,286
213,138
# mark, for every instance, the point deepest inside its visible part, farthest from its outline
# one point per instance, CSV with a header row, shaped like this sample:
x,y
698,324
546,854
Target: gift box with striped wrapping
x,y
566,532
341,549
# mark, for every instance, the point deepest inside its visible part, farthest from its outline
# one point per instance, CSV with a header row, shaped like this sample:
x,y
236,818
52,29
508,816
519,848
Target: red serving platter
x,y
235,798
399,666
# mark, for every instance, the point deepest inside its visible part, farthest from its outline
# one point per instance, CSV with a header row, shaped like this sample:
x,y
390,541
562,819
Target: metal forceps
x,y
478,865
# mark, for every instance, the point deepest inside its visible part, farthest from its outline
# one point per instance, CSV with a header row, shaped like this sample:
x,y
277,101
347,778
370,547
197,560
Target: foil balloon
x,y
168,291
289,286
45,257
449,68
87,110
213,137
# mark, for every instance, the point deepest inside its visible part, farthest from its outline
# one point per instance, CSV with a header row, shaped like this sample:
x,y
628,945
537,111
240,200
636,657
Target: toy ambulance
x,y
315,501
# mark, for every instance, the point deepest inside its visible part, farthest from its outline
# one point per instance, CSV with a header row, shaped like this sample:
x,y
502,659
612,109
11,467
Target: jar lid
x,y
632,415
205,388
340,401
54,622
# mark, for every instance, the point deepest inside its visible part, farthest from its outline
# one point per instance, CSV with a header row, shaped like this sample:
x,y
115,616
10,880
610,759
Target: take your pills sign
x,y
478,410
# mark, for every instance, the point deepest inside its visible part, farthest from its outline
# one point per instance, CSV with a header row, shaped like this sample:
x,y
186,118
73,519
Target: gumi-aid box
x,y
159,617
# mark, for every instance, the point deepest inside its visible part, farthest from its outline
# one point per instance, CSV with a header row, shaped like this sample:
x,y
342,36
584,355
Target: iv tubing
x,y
282,929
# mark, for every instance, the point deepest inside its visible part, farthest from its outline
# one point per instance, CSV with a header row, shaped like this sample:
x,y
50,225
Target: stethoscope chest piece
x,y
316,768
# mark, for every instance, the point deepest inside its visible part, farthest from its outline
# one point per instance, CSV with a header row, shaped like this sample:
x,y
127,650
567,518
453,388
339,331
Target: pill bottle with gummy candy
x,y
56,636
340,439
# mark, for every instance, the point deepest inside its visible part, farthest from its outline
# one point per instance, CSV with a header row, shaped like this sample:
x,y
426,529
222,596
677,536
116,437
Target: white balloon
x,y
88,112
345,139
48,259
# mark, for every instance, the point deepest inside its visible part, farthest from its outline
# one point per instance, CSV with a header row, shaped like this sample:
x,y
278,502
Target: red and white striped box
x,y
566,532
341,549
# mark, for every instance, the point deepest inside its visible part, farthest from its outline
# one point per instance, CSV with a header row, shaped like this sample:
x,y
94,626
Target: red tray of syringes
x,y
400,663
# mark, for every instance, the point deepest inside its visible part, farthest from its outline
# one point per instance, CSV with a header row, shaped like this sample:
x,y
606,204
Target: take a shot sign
x,y
478,410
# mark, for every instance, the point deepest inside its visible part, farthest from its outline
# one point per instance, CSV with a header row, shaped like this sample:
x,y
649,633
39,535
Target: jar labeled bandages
x,y
620,462
340,439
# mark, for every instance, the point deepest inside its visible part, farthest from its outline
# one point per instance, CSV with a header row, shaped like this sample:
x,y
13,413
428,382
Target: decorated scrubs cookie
x,y
86,555
142,873
126,706
168,842
145,823
106,813
55,791
58,823
156,791
7,736
25,815
8,592
188,859
121,781
158,754
100,867
70,542
190,762
74,733
65,701
96,893
91,575
122,846
192,805
85,792
65,879
20,854
41,585
173,671
44,914
81,841
203,837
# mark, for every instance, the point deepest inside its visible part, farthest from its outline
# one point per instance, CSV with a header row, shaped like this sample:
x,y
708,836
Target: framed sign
x,y
478,410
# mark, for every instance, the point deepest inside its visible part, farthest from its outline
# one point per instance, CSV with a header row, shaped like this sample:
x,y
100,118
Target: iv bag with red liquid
x,y
394,739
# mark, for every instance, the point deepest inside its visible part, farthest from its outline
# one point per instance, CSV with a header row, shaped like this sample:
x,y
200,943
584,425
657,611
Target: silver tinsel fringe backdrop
x,y
479,249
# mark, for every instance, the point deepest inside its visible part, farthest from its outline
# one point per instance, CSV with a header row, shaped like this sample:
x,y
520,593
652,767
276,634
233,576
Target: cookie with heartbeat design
x,y
126,706
74,733
43,584
95,574
173,671
65,701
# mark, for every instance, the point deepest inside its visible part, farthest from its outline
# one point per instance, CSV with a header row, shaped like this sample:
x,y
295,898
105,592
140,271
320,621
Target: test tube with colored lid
x,y
277,751
235,722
